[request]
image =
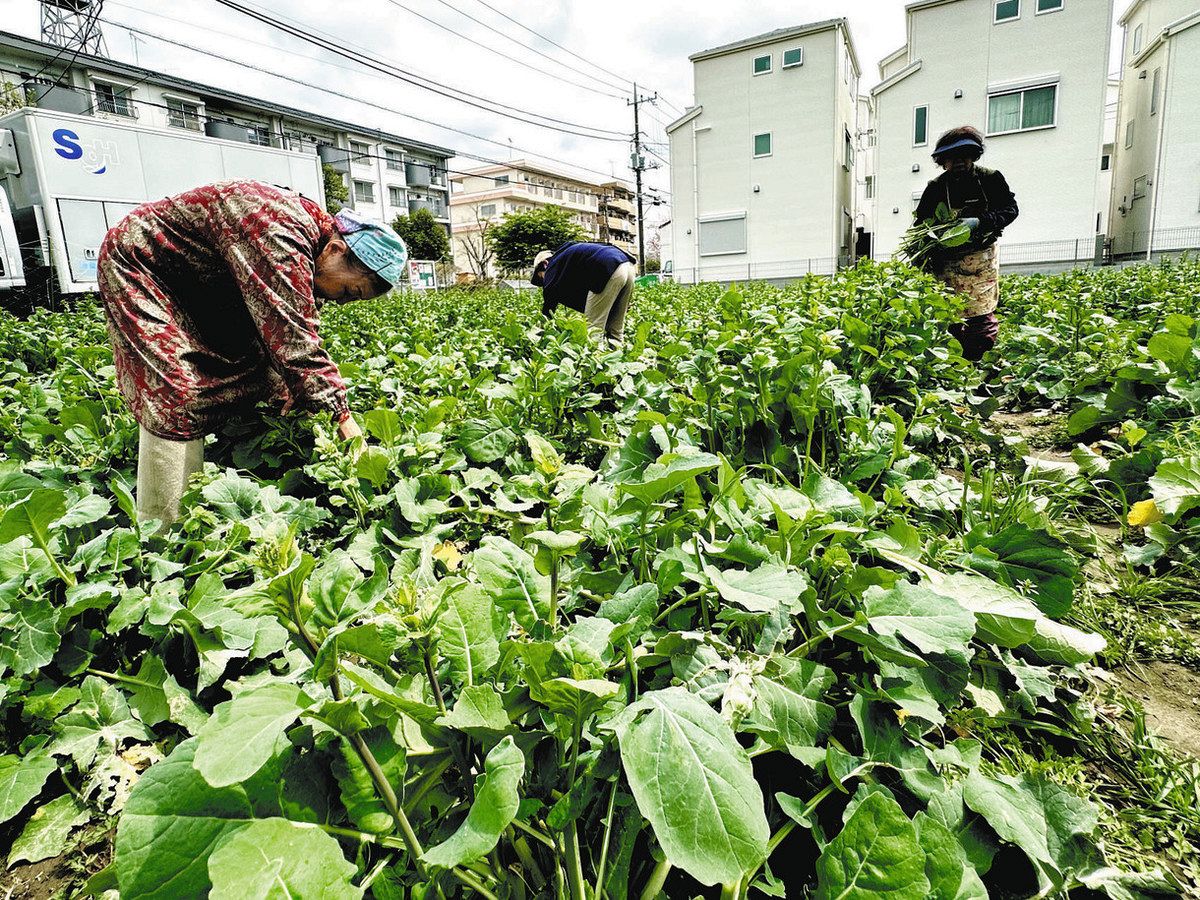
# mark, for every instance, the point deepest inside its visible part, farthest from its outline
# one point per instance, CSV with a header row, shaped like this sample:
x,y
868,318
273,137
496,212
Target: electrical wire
x,y
434,87
89,24
522,46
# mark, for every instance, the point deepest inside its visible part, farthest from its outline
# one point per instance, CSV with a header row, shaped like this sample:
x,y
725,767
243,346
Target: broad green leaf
x,y
469,634
21,779
633,611
87,509
1176,485
1172,349
358,792
479,712
339,592
373,465
383,425
157,697
510,580
951,876
486,441
832,497
274,859
1023,556
925,691
876,854
101,718
45,834
1055,642
33,515
246,731
1002,616
547,459
759,590
29,636
669,474
789,712
694,783
557,541
495,806
572,697
929,621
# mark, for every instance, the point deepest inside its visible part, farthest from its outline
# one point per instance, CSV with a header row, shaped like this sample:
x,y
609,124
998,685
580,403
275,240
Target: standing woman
x,y
983,201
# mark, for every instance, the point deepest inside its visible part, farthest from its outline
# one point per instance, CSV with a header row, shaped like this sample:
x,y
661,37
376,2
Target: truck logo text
x,y
95,156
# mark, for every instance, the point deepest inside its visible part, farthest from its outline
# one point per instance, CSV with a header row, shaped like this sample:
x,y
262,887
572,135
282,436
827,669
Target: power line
x,y
88,25
435,87
364,102
525,46
504,55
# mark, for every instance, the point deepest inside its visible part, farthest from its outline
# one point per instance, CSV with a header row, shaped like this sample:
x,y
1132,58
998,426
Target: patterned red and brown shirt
x,y
210,305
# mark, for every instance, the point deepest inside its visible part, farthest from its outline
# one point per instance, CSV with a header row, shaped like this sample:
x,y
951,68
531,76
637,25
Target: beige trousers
x,y
164,468
605,311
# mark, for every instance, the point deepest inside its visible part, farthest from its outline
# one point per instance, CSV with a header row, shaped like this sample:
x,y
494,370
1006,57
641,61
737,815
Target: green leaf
x,y
788,711
1176,485
246,731
694,783
669,474
572,697
158,697
479,712
45,834
951,876
927,620
876,854
1020,556
557,541
1055,642
373,465
508,575
1171,349
764,589
469,634
1002,616
547,459
633,610
486,441
338,590
274,859
359,794
21,779
29,636
100,718
33,515
383,425
495,806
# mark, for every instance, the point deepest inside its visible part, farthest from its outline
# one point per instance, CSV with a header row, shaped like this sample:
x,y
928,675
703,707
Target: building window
x,y
1129,135
1022,110
1007,10
1105,162
487,209
113,99
364,192
394,160
762,65
1045,6
359,152
723,236
1137,40
921,126
181,114
869,187
762,144
1155,92
501,179
395,196
793,57
848,157
1139,187
259,135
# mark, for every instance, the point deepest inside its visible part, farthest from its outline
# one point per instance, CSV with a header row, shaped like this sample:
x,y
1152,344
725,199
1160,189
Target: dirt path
x,y
1170,694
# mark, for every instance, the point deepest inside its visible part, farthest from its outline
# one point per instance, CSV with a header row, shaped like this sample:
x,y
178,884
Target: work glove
x,y
972,223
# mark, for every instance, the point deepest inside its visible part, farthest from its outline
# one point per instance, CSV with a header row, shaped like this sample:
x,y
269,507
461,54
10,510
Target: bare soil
x,y
1170,695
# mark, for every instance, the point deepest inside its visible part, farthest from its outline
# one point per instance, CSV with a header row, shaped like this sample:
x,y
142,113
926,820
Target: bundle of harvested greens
x,y
922,242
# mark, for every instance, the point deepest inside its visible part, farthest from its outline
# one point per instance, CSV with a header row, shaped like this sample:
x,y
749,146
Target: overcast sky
x,y
649,40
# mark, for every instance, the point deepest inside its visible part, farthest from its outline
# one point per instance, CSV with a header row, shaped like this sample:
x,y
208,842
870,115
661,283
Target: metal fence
x,y
782,270
1150,243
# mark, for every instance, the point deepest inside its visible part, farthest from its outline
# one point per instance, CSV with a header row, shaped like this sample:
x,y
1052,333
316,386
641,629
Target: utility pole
x,y
638,164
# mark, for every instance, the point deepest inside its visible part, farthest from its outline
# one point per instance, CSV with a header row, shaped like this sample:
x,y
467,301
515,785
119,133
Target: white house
x,y
864,178
1031,75
762,166
1156,176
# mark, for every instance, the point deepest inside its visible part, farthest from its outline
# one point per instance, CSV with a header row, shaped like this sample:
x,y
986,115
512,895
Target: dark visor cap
x,y
961,144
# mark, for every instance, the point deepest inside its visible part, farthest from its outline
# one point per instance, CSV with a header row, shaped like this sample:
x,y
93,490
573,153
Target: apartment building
x,y
1032,76
1156,172
386,174
864,178
482,196
763,163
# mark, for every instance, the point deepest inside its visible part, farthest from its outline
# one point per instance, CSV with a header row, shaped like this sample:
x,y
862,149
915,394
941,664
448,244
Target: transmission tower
x,y
73,24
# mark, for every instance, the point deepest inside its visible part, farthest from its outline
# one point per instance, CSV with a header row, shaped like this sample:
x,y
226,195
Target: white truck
x,y
68,178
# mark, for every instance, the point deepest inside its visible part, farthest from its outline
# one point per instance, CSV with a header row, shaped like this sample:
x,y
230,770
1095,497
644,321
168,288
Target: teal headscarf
x,y
375,244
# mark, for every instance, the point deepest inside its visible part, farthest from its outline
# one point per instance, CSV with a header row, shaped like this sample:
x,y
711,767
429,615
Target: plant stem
x,y
431,674
120,679
731,891
803,649
657,879
474,884
553,591
533,833
598,892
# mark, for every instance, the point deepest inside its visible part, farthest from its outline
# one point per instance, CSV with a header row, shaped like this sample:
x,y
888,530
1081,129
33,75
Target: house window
x,y
921,126
359,152
1137,40
395,196
1155,90
394,160
181,114
1139,187
259,135
1022,110
869,187
501,179
113,99
723,236
1129,135
1105,162
762,144
848,158
1007,10
364,192
487,209
793,57
1045,6
762,65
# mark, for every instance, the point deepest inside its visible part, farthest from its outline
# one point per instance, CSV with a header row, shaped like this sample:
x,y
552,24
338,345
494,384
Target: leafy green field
x,y
778,598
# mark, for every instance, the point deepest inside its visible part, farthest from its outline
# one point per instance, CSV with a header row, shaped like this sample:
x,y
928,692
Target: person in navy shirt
x,y
591,278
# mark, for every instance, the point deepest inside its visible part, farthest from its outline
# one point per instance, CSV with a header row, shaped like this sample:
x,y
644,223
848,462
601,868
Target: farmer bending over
x,y
982,199
594,279
212,298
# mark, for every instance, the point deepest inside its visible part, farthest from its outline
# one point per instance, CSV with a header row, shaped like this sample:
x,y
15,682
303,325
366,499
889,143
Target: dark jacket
x,y
576,269
983,194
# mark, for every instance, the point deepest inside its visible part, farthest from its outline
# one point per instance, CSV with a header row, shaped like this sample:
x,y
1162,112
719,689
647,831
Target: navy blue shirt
x,y
576,269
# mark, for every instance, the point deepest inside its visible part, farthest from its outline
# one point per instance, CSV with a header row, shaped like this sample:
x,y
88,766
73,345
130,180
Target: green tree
x,y
518,237
336,193
426,239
